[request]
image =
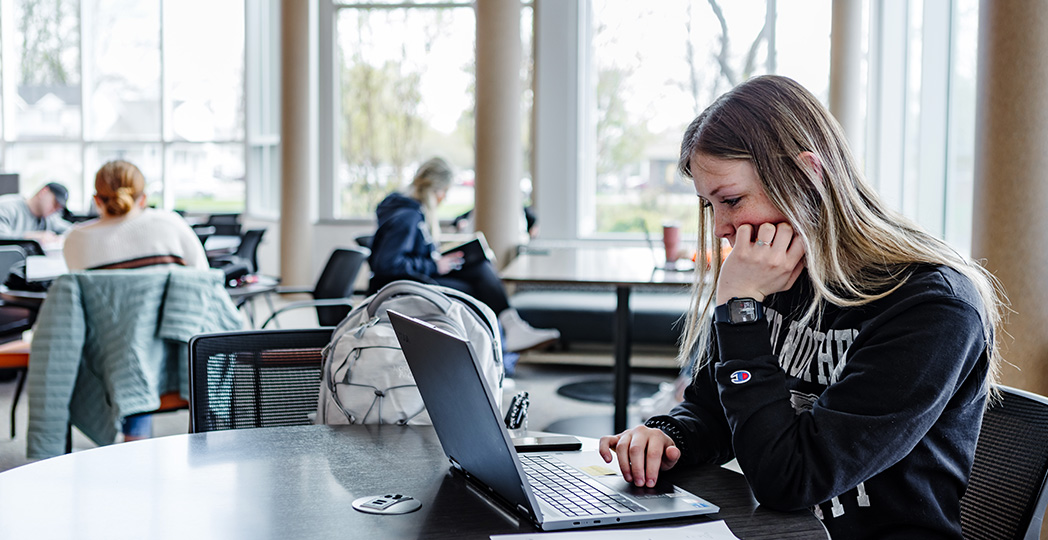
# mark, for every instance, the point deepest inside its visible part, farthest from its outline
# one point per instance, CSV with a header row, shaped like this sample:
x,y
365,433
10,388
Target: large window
x,y
159,83
657,65
618,81
405,76
921,115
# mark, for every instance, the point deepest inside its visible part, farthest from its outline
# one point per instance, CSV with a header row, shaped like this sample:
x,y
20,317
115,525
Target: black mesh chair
x,y
1006,494
259,378
14,320
225,224
29,247
247,251
334,289
203,232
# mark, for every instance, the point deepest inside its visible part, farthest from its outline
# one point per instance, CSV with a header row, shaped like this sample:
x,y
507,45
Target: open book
x,y
474,251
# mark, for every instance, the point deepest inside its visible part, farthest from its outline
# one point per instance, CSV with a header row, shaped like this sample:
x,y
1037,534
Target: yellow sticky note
x,y
598,470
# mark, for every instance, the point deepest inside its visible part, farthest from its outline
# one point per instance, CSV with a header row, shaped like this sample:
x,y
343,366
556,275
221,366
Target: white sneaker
x,y
521,336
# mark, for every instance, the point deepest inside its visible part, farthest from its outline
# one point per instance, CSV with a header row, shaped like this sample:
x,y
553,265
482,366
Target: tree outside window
x,y
657,66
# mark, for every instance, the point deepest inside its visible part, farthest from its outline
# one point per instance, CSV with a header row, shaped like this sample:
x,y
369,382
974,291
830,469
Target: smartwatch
x,y
739,311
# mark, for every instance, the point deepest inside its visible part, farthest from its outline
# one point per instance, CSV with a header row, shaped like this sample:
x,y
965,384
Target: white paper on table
x,y
715,530
43,268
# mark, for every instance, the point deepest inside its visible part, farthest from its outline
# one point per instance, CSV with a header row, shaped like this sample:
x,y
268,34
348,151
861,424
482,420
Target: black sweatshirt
x,y
871,419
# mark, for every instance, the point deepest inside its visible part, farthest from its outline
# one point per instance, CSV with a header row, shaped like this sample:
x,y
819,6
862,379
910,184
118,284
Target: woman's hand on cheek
x,y
762,262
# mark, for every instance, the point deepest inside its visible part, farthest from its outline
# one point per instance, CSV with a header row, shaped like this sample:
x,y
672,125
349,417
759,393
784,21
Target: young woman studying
x,y
844,355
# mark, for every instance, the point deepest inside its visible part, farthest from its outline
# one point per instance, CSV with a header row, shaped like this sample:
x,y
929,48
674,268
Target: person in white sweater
x,y
129,235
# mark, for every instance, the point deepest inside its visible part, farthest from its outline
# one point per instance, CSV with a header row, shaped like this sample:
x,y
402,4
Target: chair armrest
x,y
293,290
308,304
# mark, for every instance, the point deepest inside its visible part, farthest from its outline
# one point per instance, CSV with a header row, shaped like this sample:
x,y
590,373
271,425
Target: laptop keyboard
x,y
565,488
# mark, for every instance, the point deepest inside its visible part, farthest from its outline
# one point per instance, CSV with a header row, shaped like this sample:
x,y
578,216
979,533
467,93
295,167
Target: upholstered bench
x,y
587,315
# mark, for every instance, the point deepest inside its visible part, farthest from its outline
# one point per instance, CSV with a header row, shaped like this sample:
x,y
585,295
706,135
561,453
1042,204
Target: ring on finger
x,y
763,243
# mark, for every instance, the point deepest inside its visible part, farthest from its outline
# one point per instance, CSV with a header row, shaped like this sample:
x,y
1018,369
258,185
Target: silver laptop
x,y
555,490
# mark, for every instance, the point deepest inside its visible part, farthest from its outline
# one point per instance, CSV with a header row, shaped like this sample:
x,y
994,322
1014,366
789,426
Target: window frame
x,y
254,183
329,106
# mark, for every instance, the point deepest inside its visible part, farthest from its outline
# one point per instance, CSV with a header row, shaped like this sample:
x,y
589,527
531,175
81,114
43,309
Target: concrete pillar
x,y
499,210
846,69
1010,218
298,141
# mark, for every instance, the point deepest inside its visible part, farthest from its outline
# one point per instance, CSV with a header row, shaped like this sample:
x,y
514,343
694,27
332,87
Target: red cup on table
x,y
671,241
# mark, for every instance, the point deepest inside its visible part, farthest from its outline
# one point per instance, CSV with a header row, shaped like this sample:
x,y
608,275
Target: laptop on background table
x,y
542,486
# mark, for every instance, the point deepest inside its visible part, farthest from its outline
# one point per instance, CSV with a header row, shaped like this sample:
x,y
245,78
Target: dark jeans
x,y
479,281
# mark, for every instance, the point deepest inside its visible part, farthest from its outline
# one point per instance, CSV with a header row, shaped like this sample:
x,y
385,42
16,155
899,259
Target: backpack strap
x,y
404,286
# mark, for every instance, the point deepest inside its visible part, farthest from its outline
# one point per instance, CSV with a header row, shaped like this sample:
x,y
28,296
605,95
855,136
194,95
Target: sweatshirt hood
x,y
393,204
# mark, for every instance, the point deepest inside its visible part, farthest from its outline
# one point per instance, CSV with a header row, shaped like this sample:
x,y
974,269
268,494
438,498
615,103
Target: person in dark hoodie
x,y
405,247
846,354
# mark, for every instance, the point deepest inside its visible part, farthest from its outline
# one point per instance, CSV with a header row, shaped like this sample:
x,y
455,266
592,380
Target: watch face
x,y
743,310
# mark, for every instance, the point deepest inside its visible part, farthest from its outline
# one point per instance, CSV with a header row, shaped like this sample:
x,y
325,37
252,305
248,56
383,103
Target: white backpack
x,y
365,378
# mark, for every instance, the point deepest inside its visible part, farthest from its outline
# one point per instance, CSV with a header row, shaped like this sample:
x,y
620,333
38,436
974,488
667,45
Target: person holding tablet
x,y
843,355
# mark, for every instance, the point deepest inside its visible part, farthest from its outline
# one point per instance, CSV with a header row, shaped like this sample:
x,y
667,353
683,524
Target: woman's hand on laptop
x,y
642,452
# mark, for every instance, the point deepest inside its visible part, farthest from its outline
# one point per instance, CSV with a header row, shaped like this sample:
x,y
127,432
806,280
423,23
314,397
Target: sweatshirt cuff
x,y
742,341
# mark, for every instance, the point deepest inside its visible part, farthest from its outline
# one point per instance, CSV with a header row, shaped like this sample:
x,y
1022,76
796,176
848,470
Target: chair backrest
x,y
225,224
365,241
16,273
10,256
204,232
337,280
30,247
258,378
248,249
1006,493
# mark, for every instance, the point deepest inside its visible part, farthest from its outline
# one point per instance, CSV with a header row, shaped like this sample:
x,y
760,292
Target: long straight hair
x,y
857,249
432,176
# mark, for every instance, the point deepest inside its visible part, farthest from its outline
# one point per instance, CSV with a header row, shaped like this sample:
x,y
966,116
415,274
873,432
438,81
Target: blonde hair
x,y
118,184
857,249
432,176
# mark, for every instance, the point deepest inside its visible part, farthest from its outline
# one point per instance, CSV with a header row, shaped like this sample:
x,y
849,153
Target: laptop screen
x,y
462,408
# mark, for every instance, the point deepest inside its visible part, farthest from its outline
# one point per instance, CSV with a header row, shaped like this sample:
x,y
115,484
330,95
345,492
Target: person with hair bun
x,y
128,234
843,355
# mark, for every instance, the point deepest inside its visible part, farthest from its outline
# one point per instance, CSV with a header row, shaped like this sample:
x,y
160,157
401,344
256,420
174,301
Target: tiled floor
x,y
534,375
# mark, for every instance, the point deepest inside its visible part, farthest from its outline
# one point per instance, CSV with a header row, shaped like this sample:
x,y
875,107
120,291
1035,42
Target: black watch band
x,y
739,311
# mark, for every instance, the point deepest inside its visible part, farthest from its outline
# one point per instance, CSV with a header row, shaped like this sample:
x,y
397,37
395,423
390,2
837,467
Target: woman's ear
x,y
141,202
812,161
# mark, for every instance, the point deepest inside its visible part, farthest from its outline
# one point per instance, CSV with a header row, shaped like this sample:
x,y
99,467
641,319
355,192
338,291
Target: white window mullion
x,y
558,149
329,111
252,171
934,122
168,191
86,65
891,106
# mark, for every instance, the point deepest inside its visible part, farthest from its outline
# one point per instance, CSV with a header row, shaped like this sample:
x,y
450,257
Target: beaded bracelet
x,y
669,428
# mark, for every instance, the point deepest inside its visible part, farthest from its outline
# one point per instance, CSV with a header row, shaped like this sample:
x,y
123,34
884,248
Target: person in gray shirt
x,y
39,217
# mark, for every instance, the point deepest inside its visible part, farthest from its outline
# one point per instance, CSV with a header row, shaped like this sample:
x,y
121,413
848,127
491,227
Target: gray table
x,y
298,482
622,268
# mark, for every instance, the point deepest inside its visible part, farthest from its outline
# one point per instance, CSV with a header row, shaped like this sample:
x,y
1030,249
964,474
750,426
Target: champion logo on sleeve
x,y
740,376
